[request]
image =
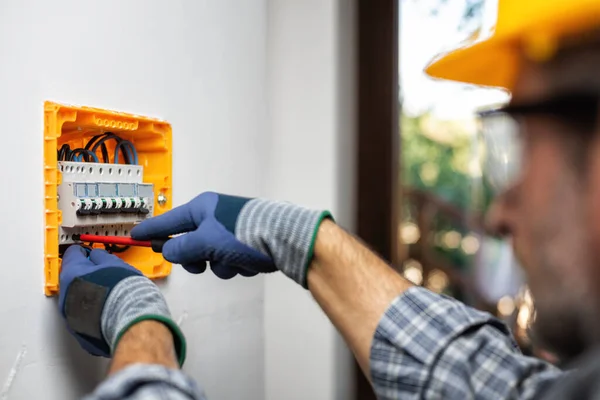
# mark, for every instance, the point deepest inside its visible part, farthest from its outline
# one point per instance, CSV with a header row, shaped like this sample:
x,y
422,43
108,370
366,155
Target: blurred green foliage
x,y
430,165
450,168
445,169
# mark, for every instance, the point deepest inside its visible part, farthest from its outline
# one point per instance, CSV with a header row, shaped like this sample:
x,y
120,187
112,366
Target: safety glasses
x,y
502,141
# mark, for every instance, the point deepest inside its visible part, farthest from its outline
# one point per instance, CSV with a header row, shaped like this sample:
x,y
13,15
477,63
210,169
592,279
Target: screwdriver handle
x,y
157,244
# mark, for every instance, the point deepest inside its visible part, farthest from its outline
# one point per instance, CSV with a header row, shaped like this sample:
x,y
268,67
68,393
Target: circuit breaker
x,y
104,172
102,199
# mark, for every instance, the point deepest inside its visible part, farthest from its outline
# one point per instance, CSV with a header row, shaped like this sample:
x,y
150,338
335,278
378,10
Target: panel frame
x,y
75,125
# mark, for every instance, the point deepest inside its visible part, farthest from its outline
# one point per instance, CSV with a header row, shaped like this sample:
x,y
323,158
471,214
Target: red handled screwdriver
x,y
155,244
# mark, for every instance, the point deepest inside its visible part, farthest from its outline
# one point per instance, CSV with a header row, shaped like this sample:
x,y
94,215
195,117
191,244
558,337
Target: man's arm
x,y
351,284
410,341
145,366
147,342
113,310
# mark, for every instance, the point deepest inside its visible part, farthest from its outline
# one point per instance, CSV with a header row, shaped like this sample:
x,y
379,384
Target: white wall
x,y
311,110
260,96
200,65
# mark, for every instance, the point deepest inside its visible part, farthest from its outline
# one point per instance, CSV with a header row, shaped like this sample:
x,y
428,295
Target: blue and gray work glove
x,y
101,297
237,235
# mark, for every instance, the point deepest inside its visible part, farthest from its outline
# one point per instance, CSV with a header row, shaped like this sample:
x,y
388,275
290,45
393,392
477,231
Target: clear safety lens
x,y
501,159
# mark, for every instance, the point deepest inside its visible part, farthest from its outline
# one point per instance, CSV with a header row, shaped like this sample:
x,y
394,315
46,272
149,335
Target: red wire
x,y
121,240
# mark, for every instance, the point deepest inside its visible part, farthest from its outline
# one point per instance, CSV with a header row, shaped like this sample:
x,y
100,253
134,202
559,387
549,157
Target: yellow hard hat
x,y
533,25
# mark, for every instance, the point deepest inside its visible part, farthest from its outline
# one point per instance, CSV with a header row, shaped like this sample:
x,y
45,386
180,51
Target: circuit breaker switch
x,y
97,208
84,207
110,206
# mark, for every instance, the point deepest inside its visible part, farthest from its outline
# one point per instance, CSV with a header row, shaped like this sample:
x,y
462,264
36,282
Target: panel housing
x,y
75,126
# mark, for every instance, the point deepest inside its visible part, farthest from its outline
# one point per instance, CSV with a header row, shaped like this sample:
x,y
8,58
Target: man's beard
x,y
563,301
560,331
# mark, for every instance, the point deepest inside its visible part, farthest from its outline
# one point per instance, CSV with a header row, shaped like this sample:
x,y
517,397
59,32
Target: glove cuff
x,y
133,300
283,231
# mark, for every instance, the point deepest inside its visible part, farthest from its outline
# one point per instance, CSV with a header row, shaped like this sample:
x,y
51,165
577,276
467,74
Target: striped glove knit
x,y
101,297
237,235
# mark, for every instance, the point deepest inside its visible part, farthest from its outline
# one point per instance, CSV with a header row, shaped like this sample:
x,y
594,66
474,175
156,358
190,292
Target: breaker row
x,y
112,205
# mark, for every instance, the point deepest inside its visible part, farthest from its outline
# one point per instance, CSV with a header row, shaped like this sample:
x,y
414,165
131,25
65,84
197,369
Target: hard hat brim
x,y
534,26
492,62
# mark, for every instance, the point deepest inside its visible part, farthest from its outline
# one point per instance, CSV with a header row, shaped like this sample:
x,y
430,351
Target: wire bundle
x,y
66,154
89,154
98,142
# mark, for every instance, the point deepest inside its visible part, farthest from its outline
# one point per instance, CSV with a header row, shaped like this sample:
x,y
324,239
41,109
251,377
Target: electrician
x,y
410,342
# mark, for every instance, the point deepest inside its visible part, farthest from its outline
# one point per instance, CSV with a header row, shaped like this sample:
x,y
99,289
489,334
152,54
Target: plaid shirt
x,y
426,346
429,346
148,382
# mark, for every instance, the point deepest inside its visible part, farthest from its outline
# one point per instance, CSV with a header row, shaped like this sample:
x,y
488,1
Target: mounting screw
x,y
162,199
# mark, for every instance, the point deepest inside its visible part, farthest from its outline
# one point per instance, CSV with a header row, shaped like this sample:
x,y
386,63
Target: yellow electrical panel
x,y
104,171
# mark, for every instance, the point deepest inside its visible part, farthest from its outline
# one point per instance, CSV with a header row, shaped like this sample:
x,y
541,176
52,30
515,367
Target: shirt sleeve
x,y
148,382
429,346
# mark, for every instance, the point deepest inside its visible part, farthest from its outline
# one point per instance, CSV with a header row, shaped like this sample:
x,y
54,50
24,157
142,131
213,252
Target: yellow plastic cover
x,y
75,125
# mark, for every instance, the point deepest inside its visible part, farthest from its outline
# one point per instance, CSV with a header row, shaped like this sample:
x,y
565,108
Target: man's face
x,y
552,214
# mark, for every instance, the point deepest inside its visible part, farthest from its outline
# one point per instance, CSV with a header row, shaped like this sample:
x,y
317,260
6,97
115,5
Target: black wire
x,y
89,144
113,248
88,153
103,148
64,153
101,142
63,247
127,149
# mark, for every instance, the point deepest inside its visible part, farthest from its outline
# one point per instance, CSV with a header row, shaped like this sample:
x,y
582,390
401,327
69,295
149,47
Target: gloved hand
x,y
101,297
237,235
